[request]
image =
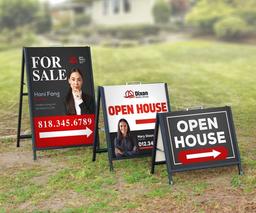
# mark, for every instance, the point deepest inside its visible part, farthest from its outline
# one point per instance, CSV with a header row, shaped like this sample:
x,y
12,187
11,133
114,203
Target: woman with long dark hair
x,y
124,143
77,102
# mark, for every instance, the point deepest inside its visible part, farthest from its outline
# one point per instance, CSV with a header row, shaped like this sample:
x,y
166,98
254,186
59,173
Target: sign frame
x,y
25,65
101,103
161,125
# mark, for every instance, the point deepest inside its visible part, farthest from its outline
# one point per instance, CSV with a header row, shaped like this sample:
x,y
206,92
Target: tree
x,y
43,19
179,6
14,13
161,11
206,13
231,28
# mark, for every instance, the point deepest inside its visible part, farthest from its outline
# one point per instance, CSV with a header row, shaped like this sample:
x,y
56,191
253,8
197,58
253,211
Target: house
x,y
122,12
105,12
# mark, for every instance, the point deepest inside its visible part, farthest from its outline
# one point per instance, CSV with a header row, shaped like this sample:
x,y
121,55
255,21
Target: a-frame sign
x,y
129,113
61,97
195,139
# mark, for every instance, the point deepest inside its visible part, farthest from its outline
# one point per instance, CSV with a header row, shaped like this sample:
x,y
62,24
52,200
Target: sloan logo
x,y
136,94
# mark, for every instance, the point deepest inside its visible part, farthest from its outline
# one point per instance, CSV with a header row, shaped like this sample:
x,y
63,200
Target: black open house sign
x,y
196,139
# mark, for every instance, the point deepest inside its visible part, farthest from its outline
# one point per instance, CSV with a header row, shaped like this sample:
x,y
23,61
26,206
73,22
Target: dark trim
x,y
109,147
155,145
240,170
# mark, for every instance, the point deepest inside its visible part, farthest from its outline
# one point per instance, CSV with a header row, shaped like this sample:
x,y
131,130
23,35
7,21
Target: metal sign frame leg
x,y
96,143
21,99
155,145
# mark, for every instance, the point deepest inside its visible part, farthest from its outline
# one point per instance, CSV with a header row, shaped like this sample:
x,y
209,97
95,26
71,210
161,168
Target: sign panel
x,y
61,96
196,139
131,114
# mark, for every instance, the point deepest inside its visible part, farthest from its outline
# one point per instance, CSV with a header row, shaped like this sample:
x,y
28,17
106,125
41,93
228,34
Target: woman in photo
x,y
77,102
124,143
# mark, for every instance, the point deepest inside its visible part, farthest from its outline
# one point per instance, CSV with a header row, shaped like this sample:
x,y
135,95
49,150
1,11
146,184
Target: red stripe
x,y
145,147
145,121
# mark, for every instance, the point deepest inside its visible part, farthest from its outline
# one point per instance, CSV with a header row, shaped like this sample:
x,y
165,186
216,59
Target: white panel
x,y
160,156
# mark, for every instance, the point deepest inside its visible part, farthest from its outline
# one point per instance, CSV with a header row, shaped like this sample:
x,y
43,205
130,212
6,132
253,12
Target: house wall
x,y
140,13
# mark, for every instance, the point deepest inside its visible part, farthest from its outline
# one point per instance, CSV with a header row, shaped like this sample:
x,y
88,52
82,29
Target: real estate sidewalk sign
x,y
61,97
195,139
136,107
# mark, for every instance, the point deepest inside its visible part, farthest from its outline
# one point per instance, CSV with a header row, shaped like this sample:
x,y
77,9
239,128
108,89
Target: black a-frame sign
x,y
195,139
129,113
61,97
100,104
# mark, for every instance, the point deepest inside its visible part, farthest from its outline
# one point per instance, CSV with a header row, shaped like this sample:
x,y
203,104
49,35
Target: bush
x,y
16,13
249,15
82,20
179,6
161,12
20,37
206,13
231,28
43,22
130,31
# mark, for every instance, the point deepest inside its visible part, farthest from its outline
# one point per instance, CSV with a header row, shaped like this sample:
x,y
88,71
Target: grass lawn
x,y
198,73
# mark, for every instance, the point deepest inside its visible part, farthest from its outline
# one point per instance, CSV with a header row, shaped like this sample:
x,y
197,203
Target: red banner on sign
x,y
59,131
203,155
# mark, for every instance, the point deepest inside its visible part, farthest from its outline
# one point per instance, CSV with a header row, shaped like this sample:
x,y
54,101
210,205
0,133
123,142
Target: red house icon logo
x,y
73,60
129,94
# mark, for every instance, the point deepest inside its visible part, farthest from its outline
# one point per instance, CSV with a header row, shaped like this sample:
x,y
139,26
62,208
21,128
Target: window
x,y
127,6
116,6
79,10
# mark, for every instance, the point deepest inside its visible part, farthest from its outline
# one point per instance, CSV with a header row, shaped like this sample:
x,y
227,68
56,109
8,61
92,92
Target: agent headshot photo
x,y
77,102
124,143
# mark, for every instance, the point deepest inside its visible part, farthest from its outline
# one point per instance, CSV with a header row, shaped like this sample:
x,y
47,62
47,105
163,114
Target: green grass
x,y
198,73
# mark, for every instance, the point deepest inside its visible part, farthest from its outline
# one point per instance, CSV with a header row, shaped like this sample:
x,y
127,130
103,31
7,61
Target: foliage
x,y
83,1
247,14
130,31
43,20
82,19
8,37
206,13
179,6
161,12
231,28
14,13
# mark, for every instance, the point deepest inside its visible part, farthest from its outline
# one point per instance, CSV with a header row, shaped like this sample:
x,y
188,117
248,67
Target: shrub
x,y
130,31
247,14
206,13
43,20
82,20
16,13
179,6
231,28
8,38
161,12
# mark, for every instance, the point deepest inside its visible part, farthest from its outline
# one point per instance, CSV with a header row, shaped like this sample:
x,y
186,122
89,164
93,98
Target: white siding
x,y
140,13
